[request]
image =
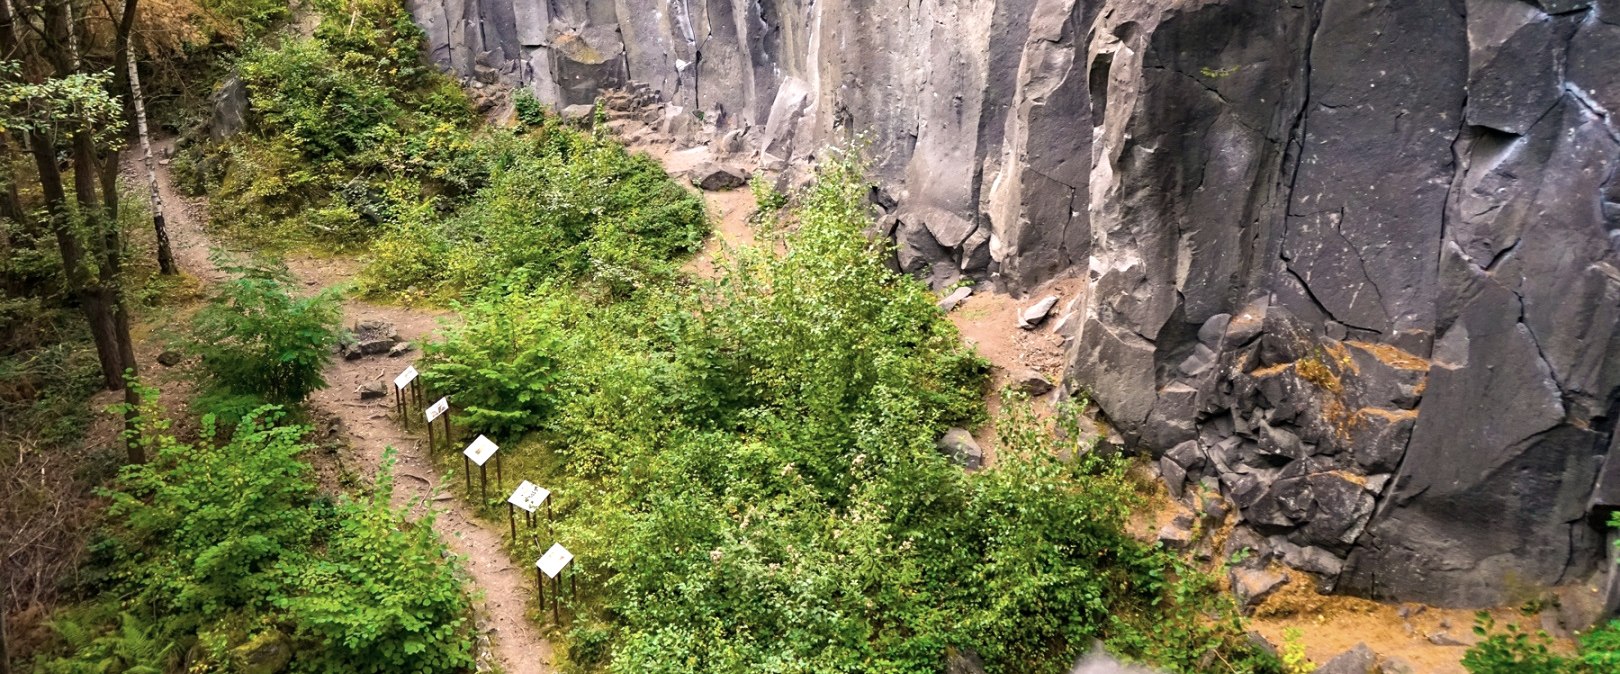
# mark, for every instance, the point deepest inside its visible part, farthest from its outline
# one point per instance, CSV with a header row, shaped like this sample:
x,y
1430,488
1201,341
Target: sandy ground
x,y
729,210
502,590
988,322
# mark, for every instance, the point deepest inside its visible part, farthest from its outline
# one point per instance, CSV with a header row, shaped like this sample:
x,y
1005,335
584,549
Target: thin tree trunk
x,y
131,71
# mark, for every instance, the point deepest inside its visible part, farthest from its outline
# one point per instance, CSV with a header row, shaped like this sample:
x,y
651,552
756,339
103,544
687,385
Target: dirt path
x,y
501,589
729,209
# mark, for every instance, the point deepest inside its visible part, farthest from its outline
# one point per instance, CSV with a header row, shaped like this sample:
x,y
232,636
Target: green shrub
x,y
211,546
555,204
528,109
380,597
256,338
755,484
345,126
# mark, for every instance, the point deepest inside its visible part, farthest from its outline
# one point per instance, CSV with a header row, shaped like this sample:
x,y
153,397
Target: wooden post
x,y
430,438
483,483
556,610
466,467
540,587
511,517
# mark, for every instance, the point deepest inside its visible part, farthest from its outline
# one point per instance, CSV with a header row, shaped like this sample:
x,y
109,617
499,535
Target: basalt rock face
x,y
1354,264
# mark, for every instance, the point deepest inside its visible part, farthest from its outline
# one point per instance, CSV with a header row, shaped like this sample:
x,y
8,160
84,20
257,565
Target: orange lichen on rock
x,y
1314,369
1392,356
1271,370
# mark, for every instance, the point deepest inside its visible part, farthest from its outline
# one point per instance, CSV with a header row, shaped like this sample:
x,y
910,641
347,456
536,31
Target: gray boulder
x,y
956,297
714,177
1032,383
230,108
1036,313
959,445
1357,660
1253,586
372,390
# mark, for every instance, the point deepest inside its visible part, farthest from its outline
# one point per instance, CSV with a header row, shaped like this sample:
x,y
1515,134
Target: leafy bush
x,y
553,204
210,546
346,125
408,614
755,485
256,338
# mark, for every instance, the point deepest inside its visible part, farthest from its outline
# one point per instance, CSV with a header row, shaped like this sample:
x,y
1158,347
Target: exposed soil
x,y
729,210
1330,625
988,321
367,429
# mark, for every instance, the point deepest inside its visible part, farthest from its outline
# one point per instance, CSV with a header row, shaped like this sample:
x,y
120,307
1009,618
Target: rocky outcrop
x,y
1356,265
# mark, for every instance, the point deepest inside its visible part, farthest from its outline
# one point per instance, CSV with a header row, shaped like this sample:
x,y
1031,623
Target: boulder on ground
x,y
956,297
266,653
1178,533
1037,313
400,349
578,114
1032,383
170,358
372,390
1253,586
1358,660
958,444
714,177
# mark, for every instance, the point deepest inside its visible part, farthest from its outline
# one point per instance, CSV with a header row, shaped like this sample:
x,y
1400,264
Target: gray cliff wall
x,y
1355,264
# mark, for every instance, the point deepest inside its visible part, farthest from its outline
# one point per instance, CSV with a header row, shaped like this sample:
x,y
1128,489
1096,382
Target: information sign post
x,y
551,564
479,453
402,399
528,496
433,412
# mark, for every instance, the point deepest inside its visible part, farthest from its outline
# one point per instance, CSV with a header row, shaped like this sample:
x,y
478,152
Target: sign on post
x,y
554,560
405,378
551,564
433,411
527,496
402,399
479,452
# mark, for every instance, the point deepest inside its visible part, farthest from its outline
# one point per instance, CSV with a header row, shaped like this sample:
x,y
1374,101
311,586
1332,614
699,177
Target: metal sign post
x,y
479,453
551,564
528,496
433,412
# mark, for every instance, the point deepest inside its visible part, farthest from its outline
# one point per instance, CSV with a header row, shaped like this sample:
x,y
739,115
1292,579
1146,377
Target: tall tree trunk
x,y
130,71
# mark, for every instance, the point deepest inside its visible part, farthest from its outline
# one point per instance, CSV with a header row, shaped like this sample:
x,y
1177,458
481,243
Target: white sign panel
x,y
554,560
433,411
480,450
405,378
528,496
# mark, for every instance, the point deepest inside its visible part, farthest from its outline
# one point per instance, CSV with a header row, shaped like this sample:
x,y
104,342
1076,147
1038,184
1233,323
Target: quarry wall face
x,y
1353,264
